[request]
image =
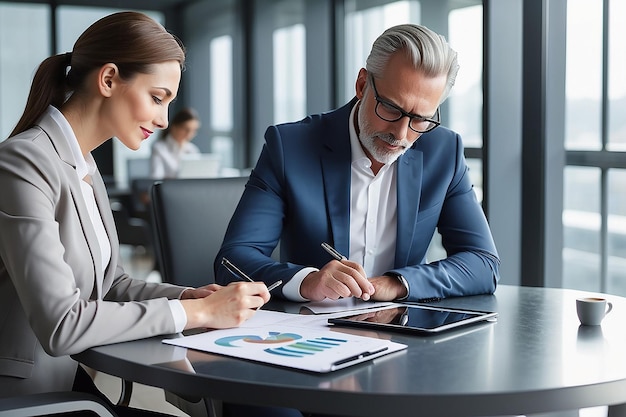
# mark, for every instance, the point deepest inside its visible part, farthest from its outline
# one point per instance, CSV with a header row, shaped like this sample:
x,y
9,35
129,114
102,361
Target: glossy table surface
x,y
536,358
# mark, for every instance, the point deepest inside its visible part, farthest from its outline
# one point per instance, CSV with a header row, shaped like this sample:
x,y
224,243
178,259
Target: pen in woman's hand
x,y
235,271
333,252
240,274
275,285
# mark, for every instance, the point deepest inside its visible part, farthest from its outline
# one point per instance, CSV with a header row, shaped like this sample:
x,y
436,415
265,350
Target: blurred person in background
x,y
174,144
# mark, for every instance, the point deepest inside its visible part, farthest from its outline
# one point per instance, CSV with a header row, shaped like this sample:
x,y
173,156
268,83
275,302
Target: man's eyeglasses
x,y
389,112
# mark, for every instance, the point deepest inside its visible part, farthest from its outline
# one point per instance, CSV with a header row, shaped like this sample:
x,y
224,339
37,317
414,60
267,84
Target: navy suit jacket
x,y
299,194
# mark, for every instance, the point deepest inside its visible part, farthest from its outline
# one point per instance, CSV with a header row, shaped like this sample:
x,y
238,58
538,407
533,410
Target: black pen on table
x,y
333,252
240,274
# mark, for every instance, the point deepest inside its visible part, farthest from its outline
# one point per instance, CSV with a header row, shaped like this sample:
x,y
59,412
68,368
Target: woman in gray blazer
x,y
62,289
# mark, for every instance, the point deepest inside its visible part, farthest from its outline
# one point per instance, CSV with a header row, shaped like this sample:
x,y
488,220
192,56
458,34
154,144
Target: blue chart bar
x,y
332,340
318,342
306,348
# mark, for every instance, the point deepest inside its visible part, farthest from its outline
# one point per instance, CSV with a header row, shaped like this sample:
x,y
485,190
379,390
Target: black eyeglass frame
x,y
403,113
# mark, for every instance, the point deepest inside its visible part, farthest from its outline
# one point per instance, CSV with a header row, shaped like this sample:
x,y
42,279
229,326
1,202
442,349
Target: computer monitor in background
x,y
205,165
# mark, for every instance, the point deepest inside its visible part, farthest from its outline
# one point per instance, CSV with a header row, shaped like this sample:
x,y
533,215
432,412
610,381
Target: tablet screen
x,y
415,318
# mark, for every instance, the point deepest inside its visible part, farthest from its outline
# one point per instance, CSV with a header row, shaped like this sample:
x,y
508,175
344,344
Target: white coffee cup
x,y
591,310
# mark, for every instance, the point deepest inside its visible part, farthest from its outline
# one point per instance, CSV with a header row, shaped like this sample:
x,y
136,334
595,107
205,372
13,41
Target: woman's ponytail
x,y
48,88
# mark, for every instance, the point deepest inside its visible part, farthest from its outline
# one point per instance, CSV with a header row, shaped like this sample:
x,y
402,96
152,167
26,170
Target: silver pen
x,y
333,252
275,285
235,271
240,274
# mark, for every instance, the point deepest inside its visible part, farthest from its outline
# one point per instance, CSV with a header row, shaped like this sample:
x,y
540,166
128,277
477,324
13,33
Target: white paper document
x,y
327,306
289,340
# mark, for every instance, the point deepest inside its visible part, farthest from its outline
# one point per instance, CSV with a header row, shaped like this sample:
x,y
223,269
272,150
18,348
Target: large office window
x,y
584,75
466,98
616,79
289,46
465,26
581,221
24,43
213,81
221,80
594,215
73,20
616,225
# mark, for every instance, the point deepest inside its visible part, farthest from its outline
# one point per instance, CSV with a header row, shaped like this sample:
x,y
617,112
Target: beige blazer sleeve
x,y
50,290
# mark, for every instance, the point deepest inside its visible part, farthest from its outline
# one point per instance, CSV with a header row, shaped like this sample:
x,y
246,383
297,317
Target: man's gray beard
x,y
368,140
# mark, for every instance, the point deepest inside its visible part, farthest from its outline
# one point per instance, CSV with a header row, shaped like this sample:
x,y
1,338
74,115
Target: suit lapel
x,y
337,192
409,179
336,176
65,154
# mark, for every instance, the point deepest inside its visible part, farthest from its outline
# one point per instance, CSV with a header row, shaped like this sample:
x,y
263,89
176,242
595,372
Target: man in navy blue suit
x,y
374,179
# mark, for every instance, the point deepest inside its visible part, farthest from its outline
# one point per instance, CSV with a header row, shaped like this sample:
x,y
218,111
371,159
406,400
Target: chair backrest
x,y
190,217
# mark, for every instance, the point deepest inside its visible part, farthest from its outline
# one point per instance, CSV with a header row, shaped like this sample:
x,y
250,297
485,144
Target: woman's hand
x,y
224,307
200,292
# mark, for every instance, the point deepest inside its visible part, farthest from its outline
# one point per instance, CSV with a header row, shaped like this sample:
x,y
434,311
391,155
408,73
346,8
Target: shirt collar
x,y
84,165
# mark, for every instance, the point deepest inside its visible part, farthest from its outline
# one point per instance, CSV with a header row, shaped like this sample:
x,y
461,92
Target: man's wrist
x,y
291,290
404,283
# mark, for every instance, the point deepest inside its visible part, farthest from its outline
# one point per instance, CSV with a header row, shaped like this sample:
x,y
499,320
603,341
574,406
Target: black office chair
x,y
190,217
54,403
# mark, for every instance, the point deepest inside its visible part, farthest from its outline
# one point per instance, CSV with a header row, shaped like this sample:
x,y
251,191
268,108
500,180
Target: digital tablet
x,y
415,318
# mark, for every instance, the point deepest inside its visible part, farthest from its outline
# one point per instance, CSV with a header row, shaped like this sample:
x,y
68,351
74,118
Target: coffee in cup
x,y
591,310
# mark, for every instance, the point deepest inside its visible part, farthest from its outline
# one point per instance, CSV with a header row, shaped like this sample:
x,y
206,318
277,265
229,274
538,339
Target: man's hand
x,y
335,280
387,288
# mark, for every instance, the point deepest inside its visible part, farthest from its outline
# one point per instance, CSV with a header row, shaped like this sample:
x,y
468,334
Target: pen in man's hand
x,y
338,256
240,274
333,252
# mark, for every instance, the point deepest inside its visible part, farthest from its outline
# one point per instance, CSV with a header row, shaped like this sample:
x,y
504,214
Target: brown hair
x,y
130,40
184,115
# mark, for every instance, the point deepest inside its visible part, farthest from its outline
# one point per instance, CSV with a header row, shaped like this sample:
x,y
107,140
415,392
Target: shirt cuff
x,y
179,315
291,290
